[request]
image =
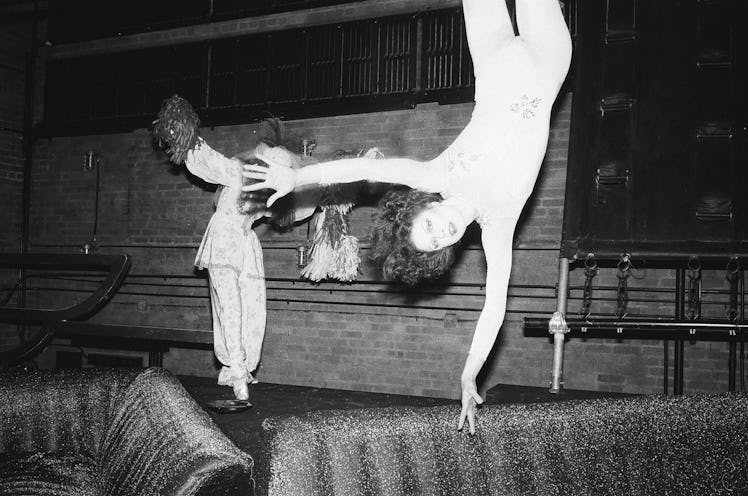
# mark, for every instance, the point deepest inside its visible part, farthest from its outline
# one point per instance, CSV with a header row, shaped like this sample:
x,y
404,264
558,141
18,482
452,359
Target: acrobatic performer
x,y
485,175
230,249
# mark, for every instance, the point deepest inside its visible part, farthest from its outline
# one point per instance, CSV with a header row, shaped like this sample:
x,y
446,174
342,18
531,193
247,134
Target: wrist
x,y
473,365
305,176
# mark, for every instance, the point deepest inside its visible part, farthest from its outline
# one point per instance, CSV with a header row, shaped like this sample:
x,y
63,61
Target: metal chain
x,y
733,267
694,289
590,271
624,271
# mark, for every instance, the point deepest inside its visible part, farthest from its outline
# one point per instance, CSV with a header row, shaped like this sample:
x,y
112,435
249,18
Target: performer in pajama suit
x,y
485,175
230,250
231,253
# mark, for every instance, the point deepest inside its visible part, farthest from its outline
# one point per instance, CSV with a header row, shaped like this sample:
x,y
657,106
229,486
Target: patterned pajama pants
x,y
239,314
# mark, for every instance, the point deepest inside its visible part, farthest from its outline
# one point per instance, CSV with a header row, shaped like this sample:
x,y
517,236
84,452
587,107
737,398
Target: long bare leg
x,y
542,27
488,28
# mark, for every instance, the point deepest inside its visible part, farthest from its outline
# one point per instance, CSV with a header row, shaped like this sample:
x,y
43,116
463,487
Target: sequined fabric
x,y
634,446
123,432
48,474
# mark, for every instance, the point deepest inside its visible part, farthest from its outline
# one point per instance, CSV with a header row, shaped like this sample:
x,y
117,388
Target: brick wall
x,y
14,43
365,336
14,46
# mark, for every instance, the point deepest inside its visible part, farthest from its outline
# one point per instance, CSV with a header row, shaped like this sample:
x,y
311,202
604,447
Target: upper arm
x,y
213,167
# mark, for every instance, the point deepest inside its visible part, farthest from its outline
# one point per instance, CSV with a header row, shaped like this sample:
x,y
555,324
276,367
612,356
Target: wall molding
x,y
367,9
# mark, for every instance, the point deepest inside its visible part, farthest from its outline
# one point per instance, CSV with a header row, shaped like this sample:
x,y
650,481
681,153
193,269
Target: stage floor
x,y
269,400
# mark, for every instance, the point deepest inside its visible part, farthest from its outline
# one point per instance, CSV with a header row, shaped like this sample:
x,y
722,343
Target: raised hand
x,y
470,400
275,176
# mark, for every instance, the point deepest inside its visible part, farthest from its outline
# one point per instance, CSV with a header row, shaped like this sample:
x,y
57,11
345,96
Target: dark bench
x,y
156,340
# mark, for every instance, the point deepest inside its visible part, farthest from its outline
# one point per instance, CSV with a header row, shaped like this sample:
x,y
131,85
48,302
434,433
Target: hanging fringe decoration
x,y
176,128
335,253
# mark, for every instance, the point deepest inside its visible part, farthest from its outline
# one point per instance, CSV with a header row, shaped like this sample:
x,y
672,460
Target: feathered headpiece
x,y
177,128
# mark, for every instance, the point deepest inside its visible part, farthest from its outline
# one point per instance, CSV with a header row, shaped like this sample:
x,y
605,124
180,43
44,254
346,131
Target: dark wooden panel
x,y
657,146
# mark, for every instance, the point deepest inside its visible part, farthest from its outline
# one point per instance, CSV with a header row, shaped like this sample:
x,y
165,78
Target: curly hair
x,y
392,245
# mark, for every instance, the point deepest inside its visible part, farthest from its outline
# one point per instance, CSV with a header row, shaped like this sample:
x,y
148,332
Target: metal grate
x,y
447,63
323,63
407,58
397,55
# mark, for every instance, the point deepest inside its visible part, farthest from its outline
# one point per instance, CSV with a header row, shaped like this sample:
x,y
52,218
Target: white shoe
x,y
241,390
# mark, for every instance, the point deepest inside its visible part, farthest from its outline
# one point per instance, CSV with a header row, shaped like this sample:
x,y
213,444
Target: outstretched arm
x,y
283,180
497,245
212,166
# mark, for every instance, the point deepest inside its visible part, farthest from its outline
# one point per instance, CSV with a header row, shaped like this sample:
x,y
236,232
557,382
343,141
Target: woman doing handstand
x,y
485,175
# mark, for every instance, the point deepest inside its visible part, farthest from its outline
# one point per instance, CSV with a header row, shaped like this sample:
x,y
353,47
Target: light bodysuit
x,y
494,162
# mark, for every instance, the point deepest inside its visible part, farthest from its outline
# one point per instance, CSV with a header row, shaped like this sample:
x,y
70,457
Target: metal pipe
x,y
559,336
742,320
291,300
348,288
645,324
732,357
664,256
665,366
131,275
96,203
680,279
266,245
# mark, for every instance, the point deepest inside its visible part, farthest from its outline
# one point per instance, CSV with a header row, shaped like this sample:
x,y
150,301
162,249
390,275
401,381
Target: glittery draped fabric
x,y
112,432
652,445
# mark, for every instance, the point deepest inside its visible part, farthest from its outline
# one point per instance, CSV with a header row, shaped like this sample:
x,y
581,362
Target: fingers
x,y
258,173
476,397
468,412
255,168
255,175
463,416
254,187
274,197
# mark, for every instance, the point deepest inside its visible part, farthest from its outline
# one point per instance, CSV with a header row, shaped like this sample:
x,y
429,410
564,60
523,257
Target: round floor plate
x,y
229,406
